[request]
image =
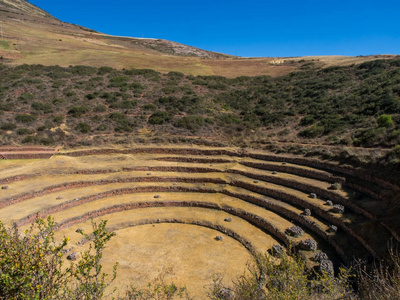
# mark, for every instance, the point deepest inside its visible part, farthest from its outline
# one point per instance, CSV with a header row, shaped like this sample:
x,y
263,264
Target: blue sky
x,y
246,28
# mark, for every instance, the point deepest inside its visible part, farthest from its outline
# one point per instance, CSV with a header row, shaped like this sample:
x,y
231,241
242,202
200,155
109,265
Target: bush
x,y
104,70
6,106
136,86
100,108
175,75
23,131
157,289
147,73
44,107
32,264
159,117
91,96
31,139
312,132
192,123
25,97
383,281
83,127
8,126
229,119
25,118
126,104
307,120
78,111
117,116
124,126
58,119
149,107
119,81
385,121
286,279
82,70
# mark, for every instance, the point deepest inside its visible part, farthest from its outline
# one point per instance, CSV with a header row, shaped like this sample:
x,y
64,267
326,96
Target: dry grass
x,y
188,252
47,41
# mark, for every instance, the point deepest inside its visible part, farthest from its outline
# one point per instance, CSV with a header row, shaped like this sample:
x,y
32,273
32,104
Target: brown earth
x,y
32,36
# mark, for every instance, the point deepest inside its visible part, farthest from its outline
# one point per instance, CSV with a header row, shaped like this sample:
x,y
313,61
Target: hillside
x,y
356,107
22,6
32,36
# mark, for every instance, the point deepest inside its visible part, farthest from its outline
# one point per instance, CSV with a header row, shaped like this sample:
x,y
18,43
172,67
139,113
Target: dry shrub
x,y
158,289
383,281
284,279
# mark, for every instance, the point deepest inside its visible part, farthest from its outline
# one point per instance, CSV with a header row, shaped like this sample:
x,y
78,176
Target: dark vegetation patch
x,y
353,106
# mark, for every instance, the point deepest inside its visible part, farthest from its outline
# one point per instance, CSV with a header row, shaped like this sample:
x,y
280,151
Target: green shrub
x,y
385,121
25,118
117,116
159,117
32,264
146,73
8,126
25,97
104,70
102,127
23,131
170,89
42,128
313,132
149,107
43,107
97,118
30,139
126,104
82,70
69,93
136,86
58,101
175,75
91,96
78,111
58,83
100,108
284,132
58,119
229,119
192,123
307,120
83,127
6,106
124,125
119,81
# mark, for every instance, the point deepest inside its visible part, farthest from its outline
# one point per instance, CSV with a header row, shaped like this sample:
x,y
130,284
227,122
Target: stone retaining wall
x,y
302,203
251,218
315,174
329,195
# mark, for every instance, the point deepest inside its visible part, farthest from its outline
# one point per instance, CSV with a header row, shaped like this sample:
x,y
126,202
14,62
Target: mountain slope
x,y
32,36
21,5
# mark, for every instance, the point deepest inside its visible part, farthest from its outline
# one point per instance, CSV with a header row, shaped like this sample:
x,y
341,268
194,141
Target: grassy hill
x,y
25,7
32,36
